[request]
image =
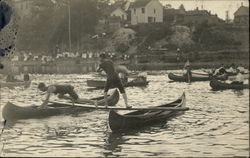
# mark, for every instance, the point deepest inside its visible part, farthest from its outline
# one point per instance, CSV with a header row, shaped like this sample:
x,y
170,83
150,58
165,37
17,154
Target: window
x,y
154,19
154,11
134,10
142,10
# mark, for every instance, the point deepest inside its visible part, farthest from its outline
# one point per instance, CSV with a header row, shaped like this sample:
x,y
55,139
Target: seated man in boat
x,y
61,90
220,71
122,72
239,78
231,69
112,78
242,69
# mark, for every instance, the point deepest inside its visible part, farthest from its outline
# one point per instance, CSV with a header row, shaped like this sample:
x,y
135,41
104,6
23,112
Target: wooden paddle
x,y
123,108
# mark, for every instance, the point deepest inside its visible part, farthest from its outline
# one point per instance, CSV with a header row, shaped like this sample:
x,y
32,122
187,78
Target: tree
x,y
181,7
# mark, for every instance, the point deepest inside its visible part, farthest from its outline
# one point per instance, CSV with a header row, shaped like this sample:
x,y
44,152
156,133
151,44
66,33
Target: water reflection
x,y
217,124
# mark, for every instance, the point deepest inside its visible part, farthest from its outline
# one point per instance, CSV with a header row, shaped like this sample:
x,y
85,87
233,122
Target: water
x,y
217,123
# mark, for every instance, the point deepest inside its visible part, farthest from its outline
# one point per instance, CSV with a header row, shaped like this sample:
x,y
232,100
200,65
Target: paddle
x,y
123,108
200,73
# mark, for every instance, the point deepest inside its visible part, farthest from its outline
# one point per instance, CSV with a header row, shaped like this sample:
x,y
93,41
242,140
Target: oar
x,y
123,108
200,73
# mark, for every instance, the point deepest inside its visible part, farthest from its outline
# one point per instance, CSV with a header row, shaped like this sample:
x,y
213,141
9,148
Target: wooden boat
x,y
141,118
13,112
101,83
195,77
130,75
25,84
217,85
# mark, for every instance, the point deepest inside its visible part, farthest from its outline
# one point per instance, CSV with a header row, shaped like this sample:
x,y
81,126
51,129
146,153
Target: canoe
x,y
14,112
142,118
181,78
217,85
101,83
130,75
25,84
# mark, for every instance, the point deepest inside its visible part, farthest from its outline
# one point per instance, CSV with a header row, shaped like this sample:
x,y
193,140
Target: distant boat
x,y
217,85
25,84
181,78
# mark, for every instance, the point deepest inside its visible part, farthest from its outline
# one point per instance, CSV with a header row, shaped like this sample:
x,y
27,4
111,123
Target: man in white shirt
x,y
239,78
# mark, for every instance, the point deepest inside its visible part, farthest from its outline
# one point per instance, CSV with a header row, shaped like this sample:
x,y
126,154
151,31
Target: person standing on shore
x,y
112,78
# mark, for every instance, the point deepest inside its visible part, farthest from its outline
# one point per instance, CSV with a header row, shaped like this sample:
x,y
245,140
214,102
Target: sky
x,y
218,7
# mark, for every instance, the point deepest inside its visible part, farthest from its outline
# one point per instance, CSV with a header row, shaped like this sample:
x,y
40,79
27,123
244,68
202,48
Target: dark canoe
x,y
217,85
142,118
181,78
101,83
25,84
13,112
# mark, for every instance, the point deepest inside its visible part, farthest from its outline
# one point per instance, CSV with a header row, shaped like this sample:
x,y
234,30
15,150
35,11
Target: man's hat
x,y
103,56
40,85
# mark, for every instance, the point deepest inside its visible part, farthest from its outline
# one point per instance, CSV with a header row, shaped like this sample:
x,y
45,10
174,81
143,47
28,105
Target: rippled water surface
x,y
217,123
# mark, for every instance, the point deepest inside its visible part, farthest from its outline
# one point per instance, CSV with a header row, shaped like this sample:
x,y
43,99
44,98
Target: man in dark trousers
x,y
61,90
112,78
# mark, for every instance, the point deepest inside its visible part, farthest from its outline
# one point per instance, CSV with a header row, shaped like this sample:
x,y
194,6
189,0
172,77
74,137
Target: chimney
x,y
241,3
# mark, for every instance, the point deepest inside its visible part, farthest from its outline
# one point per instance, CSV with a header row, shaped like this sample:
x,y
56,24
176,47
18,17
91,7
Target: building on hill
x,y
173,16
146,11
199,16
241,16
119,13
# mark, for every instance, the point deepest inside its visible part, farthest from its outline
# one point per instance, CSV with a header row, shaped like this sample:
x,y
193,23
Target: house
x,y
241,16
199,16
171,15
119,13
146,11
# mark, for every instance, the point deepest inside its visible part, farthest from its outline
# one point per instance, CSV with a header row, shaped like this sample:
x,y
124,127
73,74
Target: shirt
x,y
108,67
239,78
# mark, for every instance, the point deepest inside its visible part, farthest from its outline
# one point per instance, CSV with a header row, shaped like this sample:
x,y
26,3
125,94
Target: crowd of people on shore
x,y
22,56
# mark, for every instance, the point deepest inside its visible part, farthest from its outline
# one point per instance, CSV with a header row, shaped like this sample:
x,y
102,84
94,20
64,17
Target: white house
x,y
146,11
119,13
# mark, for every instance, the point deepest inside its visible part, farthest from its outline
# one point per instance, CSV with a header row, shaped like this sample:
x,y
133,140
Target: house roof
x,y
114,9
242,11
140,3
174,11
198,12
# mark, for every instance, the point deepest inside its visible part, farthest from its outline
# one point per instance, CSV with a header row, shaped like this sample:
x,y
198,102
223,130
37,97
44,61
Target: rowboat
x,y
101,83
25,84
217,85
142,118
195,77
14,112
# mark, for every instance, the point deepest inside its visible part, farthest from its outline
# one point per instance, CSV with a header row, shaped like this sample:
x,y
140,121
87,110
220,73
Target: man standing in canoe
x,y
112,78
61,90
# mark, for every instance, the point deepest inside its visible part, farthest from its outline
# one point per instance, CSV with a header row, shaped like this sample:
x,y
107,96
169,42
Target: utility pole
x,y
227,17
69,24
